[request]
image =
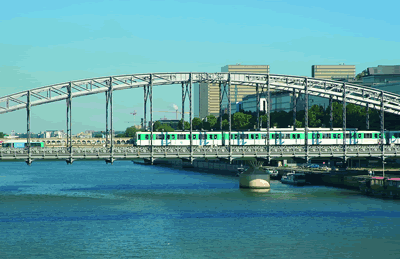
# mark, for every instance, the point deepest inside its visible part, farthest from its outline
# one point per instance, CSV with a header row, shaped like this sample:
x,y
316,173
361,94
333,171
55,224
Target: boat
x,y
294,178
381,187
240,169
274,174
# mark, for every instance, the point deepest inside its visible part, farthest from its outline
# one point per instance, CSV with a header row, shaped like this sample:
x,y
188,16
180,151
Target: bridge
x,y
263,83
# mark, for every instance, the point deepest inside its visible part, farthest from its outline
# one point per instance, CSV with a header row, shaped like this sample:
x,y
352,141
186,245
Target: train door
x,y
315,138
203,139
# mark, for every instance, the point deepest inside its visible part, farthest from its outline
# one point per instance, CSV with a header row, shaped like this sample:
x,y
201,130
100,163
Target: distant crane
x,y
176,111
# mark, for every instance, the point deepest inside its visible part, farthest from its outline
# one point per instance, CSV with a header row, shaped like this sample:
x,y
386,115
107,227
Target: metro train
x,y
19,144
277,137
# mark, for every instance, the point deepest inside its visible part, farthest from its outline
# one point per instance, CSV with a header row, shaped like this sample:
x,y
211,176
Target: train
x,y
259,138
277,137
19,144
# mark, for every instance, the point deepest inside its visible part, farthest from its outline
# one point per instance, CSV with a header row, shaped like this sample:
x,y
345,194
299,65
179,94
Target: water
x,y
94,210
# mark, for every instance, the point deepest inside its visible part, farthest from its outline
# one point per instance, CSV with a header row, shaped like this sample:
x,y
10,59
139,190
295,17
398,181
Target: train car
x,y
19,144
180,138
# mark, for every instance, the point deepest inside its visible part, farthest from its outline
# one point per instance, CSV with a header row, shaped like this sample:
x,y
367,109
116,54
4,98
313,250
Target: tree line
x,y
318,116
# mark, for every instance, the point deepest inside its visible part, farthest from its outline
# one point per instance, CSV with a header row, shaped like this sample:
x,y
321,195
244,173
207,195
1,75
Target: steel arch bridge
x,y
334,90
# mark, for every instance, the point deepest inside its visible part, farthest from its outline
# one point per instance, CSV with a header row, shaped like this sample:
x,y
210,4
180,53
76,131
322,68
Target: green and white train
x,y
316,136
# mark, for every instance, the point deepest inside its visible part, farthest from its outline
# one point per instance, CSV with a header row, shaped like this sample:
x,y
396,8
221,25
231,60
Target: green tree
x,y
315,116
98,135
130,132
187,125
2,135
299,124
165,128
360,75
197,123
241,121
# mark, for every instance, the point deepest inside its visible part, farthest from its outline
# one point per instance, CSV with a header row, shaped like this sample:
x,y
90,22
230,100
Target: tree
x,y
121,135
165,128
98,135
197,123
360,75
241,121
316,115
187,125
298,124
2,135
131,132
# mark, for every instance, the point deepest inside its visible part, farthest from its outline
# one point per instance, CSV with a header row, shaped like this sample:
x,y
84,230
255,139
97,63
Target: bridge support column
x,y
344,124
146,96
190,117
69,160
306,119
109,107
221,96
382,128
258,106
28,127
151,119
331,111
268,117
230,116
183,105
294,109
367,117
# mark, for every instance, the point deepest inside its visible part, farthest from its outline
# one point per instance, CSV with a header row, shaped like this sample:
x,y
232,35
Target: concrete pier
x,y
255,178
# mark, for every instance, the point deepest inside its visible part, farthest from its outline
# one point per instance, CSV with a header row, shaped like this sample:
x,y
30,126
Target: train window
x,y
181,136
194,137
339,135
252,136
264,136
273,136
334,135
168,136
376,135
347,135
359,135
215,136
203,136
160,136
298,136
147,137
257,136
367,135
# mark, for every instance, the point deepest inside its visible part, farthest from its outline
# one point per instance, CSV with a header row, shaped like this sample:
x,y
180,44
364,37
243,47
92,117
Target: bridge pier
x,y
69,160
29,161
255,177
110,160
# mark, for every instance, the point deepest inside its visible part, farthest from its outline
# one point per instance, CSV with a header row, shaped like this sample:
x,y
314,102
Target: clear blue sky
x,y
47,42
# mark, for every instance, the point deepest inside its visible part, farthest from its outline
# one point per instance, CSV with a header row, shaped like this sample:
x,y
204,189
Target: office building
x,y
381,74
333,72
206,96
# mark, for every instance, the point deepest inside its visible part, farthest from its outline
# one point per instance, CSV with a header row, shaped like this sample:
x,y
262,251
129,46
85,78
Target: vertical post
x,y
107,99
190,117
220,105
382,124
258,107
331,111
183,106
145,108
28,127
151,117
268,116
111,121
306,118
69,123
230,116
344,123
367,117
294,109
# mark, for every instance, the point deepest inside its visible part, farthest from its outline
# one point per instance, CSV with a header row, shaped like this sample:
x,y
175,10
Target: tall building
x,y
206,96
382,74
333,72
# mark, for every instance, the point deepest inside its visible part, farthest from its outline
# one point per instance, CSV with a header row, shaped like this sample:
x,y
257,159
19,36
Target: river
x,y
93,210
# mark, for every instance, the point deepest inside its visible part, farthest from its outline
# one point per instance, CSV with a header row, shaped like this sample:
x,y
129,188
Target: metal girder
x,y
356,94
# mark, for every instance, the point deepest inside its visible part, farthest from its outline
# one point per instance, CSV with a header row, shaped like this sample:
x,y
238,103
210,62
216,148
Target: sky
x,y
49,42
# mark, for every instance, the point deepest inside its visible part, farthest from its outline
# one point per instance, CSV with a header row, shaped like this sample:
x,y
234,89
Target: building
x,y
333,72
206,96
280,101
381,74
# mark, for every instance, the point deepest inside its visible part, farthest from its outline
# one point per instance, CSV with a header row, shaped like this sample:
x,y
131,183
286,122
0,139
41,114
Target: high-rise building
x,y
206,96
333,72
382,74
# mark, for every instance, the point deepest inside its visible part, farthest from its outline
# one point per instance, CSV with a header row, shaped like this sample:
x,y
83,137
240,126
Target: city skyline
x,y
50,43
